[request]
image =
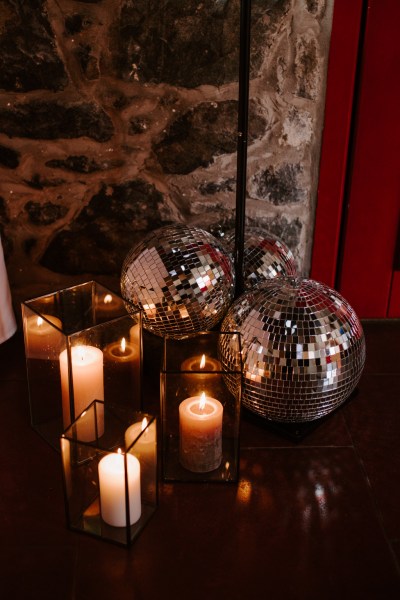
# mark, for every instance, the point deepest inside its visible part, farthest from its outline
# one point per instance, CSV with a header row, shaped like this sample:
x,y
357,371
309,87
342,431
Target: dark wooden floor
x,y
319,519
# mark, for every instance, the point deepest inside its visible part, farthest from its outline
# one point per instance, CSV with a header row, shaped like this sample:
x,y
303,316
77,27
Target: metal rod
x,y
241,171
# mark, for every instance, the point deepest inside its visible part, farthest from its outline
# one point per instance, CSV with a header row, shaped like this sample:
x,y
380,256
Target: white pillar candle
x,y
112,489
88,385
200,430
42,336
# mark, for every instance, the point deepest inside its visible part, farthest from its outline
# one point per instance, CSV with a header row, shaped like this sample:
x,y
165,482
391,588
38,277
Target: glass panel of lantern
x,y
200,408
80,345
109,459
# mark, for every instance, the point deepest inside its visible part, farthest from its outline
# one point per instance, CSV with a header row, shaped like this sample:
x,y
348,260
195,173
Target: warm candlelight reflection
x,y
244,491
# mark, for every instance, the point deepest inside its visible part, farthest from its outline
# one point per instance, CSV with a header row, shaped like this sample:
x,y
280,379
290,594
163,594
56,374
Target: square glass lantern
x,y
80,345
200,407
110,483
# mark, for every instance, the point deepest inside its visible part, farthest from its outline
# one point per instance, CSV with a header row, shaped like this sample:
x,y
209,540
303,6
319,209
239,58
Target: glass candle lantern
x,y
110,483
80,344
200,413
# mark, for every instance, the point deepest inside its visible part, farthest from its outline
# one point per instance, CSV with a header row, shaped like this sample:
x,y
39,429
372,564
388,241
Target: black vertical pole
x,y
243,113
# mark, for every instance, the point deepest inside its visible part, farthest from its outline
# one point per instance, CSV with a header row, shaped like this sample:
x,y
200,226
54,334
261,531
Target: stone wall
x,y
119,116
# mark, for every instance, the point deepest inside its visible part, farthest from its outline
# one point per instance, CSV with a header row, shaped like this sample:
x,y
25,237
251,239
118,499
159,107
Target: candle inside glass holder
x,y
200,427
122,351
43,335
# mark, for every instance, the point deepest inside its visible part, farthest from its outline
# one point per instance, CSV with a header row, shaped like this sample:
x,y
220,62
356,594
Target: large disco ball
x,y
182,279
303,349
265,256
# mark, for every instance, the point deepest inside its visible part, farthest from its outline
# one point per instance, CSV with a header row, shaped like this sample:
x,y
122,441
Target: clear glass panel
x,y
200,401
110,483
80,345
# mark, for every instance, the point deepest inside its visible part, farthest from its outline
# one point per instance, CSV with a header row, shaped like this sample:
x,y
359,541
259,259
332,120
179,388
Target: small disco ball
x,y
265,256
182,279
303,349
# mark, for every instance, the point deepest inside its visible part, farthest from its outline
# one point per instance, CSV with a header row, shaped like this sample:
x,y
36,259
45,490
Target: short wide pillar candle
x,y
200,431
112,489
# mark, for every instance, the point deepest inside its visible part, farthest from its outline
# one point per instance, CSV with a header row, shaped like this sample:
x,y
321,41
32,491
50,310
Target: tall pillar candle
x,y
88,385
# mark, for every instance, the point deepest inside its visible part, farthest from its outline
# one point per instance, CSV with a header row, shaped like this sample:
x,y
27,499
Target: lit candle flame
x,y
39,321
202,401
108,299
203,361
123,344
80,352
119,451
144,423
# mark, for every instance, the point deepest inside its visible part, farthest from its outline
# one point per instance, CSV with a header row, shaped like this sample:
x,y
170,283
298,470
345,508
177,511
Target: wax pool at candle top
x,y
122,351
200,363
197,409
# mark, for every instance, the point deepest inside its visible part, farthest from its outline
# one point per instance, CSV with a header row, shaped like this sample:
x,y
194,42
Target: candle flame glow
x,y
144,423
80,350
202,401
39,321
119,451
123,344
203,361
108,299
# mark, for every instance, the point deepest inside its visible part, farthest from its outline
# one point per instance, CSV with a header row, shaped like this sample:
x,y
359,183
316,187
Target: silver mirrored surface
x,y
265,256
303,349
181,277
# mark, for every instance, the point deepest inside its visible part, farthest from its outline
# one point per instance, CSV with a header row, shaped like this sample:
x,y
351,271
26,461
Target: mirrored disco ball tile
x,y
303,348
265,256
181,278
